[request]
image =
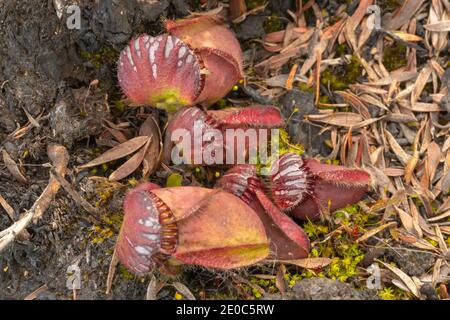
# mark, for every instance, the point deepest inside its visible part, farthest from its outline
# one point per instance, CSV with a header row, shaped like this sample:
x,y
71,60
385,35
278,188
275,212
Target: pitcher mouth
x,y
149,234
290,181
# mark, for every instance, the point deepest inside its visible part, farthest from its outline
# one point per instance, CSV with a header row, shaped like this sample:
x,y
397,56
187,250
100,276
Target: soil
x,y
45,71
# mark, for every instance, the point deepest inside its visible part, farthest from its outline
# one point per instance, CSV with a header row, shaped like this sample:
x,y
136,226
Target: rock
x,y
181,7
251,27
428,291
410,261
325,289
280,7
299,130
115,22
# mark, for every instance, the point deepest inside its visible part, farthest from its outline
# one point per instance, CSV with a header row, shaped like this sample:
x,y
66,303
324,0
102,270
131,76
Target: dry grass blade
x,y
397,149
181,288
343,119
237,8
403,14
60,158
374,231
394,76
309,263
440,217
153,155
280,283
111,271
421,81
291,76
9,210
131,165
407,36
73,193
152,289
120,151
440,26
355,20
13,168
355,102
36,292
409,283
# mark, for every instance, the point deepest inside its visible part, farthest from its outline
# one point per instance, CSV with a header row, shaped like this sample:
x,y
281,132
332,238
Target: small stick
x,y
111,271
73,193
9,210
59,158
36,292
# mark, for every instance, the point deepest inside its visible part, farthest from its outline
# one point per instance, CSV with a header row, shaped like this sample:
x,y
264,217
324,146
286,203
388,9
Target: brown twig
x,y
59,158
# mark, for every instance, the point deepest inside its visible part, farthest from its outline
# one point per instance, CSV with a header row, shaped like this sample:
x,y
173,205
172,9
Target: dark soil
x,y
45,70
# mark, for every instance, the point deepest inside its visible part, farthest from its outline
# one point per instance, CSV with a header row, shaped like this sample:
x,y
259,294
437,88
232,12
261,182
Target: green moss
x,y
125,274
286,146
174,180
272,24
119,105
389,5
304,87
114,220
394,56
98,58
324,100
344,266
98,234
221,104
252,4
314,231
339,78
392,293
341,248
341,49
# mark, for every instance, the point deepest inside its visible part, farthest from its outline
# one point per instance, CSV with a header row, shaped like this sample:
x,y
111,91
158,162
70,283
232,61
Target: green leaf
x,y
174,180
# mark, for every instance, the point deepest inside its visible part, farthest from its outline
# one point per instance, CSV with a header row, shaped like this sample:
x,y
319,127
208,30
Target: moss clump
x,y
314,231
394,57
304,87
272,24
341,49
341,77
286,146
221,104
391,293
105,55
344,266
98,235
341,248
125,274
389,5
252,4
174,180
